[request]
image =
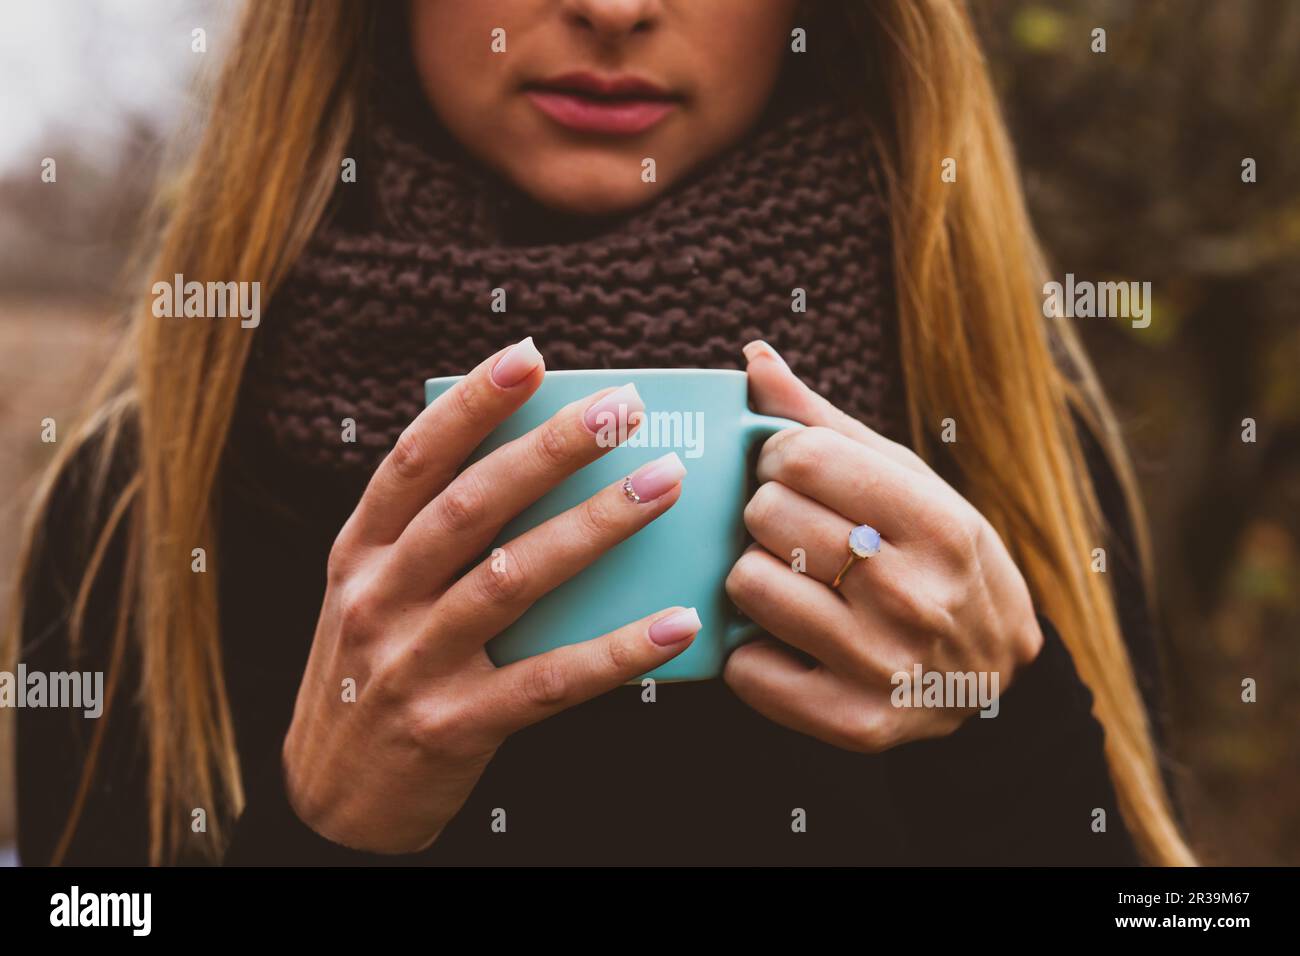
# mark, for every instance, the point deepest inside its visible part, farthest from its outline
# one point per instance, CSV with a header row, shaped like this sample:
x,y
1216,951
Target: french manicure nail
x,y
675,627
758,347
656,478
517,364
615,410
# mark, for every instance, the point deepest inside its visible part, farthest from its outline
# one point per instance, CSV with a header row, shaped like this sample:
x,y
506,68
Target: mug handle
x,y
754,428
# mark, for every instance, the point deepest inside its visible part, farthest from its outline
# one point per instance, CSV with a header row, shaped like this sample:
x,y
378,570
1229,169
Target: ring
x,y
864,542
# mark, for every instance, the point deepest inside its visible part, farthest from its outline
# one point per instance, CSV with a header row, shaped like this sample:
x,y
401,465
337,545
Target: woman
x,y
521,185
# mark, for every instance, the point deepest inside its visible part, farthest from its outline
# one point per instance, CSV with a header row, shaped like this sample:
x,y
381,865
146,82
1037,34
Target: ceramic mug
x,y
681,558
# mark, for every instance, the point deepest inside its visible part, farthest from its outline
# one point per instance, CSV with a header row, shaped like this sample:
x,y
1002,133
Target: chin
x,y
574,187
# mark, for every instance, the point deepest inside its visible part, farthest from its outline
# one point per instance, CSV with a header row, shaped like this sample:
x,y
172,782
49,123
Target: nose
x,y
613,19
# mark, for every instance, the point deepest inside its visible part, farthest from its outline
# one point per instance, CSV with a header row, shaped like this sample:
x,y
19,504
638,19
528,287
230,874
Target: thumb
x,y
774,389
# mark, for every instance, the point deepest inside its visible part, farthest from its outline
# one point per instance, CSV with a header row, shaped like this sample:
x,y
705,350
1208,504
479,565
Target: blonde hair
x,y
973,341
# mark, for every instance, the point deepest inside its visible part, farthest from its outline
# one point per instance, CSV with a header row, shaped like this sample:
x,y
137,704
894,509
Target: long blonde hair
x,y
974,345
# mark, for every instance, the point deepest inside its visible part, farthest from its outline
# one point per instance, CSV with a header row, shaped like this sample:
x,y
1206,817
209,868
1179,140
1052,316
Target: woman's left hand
x,y
943,592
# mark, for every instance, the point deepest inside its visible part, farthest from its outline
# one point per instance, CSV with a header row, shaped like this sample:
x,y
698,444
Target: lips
x,y
605,105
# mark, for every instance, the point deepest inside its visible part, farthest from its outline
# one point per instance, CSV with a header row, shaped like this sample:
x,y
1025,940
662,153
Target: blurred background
x,y
1132,164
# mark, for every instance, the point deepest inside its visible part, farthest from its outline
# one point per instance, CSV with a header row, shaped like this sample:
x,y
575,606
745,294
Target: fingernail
x,y
517,364
615,410
656,478
758,348
675,627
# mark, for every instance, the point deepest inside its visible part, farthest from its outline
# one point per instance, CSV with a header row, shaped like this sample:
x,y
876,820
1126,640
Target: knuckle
x,y
546,684
435,729
468,400
358,613
867,731
598,519
742,669
952,537
501,582
806,457
339,562
954,532
734,671
408,456
619,657
899,599
462,504
976,531
779,443
384,688
744,579
758,510
913,460
552,445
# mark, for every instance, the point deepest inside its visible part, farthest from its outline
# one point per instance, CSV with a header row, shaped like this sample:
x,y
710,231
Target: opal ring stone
x,y
864,542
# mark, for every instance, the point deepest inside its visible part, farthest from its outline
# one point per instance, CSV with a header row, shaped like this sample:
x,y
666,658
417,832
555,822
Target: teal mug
x,y
683,557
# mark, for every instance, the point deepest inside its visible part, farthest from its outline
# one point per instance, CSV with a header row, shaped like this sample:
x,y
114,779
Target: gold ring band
x,y
848,563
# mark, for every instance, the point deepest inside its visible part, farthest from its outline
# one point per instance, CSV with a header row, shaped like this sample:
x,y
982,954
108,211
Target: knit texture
x,y
401,289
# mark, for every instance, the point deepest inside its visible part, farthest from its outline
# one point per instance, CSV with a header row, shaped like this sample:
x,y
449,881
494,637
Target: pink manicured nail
x,y
656,478
517,364
615,410
758,347
675,627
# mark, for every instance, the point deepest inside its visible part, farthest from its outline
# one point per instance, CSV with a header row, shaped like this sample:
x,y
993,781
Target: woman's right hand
x,y
386,772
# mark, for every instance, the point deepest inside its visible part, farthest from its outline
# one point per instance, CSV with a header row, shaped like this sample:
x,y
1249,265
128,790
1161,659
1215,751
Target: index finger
x,y
431,450
852,479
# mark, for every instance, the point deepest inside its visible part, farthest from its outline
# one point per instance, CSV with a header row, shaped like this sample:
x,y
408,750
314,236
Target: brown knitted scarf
x,y
401,289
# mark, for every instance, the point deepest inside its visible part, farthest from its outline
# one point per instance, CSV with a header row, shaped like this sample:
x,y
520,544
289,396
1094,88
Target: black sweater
x,y
696,777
